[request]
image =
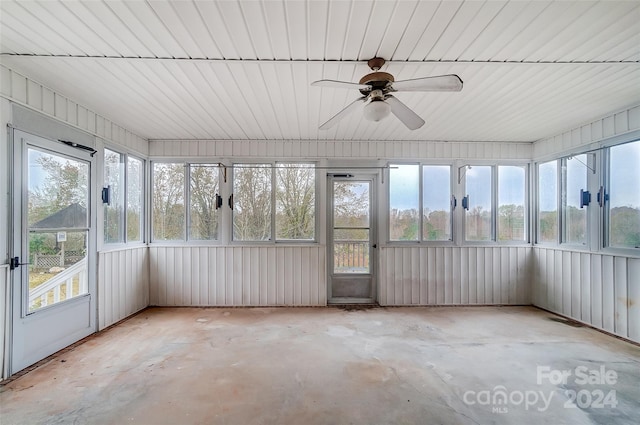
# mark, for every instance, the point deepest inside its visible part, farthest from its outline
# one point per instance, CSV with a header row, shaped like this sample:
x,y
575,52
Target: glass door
x,y
351,240
53,260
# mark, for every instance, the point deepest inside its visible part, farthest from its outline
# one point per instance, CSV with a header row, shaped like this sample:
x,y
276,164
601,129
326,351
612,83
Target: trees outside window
x,y
623,204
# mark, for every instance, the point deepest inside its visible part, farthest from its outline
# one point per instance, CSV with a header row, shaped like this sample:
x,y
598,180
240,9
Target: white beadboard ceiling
x,y
242,69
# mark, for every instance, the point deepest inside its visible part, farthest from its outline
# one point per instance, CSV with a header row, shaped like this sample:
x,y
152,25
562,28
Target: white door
x,y
53,260
351,239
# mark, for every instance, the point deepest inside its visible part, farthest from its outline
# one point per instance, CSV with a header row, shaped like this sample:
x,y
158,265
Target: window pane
x,y
168,201
351,204
478,216
574,173
252,202
135,184
624,196
548,202
114,211
295,201
511,199
436,202
404,200
203,186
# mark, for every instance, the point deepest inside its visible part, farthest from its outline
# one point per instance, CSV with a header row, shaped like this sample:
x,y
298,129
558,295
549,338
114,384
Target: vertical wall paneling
x,y
600,290
620,293
123,284
633,298
237,276
454,275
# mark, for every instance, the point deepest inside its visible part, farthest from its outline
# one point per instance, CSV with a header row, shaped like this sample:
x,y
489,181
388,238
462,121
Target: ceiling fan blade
x,y
340,115
340,84
440,83
404,114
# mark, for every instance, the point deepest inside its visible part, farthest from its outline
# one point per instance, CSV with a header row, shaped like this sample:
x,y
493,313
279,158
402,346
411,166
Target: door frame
x,y
372,178
23,324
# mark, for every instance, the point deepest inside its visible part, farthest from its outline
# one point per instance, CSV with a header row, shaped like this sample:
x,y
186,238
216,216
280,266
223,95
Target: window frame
x,y
605,211
591,175
273,165
125,155
536,213
452,190
186,163
462,185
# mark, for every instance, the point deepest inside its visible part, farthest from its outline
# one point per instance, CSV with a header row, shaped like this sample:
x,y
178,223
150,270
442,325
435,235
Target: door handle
x,y
14,263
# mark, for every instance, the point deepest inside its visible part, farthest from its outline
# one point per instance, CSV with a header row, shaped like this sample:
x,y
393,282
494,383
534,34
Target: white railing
x,y
351,256
63,279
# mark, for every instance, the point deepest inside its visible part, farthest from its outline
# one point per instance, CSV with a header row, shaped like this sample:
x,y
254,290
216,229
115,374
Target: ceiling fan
x,y
376,89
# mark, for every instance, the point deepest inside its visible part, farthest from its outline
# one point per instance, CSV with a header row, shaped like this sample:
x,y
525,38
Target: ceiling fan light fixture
x,y
376,110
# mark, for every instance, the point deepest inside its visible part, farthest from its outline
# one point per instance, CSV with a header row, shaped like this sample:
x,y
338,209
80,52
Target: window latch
x,y
585,198
454,202
602,197
465,202
231,201
106,195
218,201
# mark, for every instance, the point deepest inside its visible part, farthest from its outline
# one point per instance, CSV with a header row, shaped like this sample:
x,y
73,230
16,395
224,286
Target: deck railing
x,y
351,256
63,279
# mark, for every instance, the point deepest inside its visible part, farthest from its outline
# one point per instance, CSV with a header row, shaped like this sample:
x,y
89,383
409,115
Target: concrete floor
x,y
330,366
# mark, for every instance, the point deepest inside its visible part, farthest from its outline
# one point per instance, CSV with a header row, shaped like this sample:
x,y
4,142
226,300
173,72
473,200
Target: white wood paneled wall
x,y
454,275
24,91
598,289
609,126
123,284
339,149
238,276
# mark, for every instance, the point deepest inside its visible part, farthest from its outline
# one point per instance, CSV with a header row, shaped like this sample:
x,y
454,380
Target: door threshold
x,y
347,301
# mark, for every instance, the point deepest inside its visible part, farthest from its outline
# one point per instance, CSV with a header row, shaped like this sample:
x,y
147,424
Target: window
x,y
623,206
478,216
574,214
114,209
274,202
436,203
548,202
168,215
295,202
203,194
252,202
404,202
420,202
124,178
511,203
185,211
135,200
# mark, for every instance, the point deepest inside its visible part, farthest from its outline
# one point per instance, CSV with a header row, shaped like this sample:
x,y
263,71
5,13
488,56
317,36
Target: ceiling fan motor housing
x,y
377,80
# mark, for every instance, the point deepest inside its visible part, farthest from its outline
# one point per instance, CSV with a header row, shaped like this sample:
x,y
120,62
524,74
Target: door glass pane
x,y
624,196
478,216
548,202
511,195
203,223
57,203
404,200
351,233
436,202
351,204
575,218
252,202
